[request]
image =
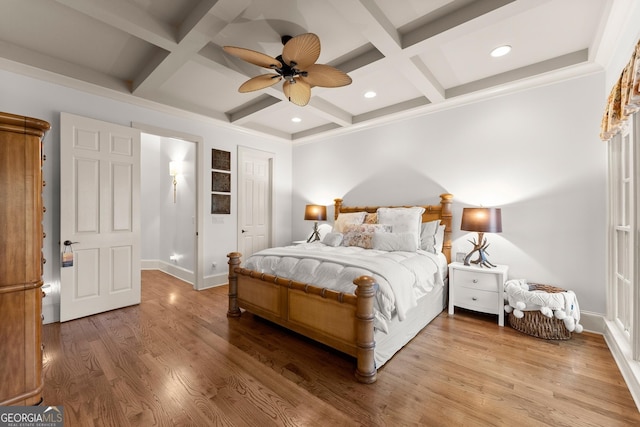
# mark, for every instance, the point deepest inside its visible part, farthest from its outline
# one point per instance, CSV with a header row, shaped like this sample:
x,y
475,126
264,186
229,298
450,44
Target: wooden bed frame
x,y
342,321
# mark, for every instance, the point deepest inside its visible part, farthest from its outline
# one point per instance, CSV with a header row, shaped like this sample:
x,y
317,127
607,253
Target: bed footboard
x,y
342,321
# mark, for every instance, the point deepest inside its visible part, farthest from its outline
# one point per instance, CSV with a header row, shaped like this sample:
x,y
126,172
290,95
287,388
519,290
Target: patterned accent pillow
x,y
371,218
362,235
345,219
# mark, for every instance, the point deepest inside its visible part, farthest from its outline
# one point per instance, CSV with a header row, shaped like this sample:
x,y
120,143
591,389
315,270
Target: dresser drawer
x,y
478,300
476,280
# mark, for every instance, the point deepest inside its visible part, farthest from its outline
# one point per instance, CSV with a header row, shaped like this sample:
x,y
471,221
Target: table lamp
x,y
315,213
481,220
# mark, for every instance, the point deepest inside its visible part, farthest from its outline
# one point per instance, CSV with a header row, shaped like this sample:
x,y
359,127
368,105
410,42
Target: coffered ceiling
x,y
417,55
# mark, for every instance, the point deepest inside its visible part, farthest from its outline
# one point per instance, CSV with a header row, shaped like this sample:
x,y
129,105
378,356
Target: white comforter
x,y
403,277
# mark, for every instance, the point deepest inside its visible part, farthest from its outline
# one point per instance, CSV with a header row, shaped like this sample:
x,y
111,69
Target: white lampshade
x,y
175,168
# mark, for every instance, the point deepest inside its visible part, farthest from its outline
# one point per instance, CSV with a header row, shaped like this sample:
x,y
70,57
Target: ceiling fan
x,y
296,66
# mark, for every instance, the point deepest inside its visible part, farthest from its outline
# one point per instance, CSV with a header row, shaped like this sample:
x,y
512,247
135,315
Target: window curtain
x,y
624,98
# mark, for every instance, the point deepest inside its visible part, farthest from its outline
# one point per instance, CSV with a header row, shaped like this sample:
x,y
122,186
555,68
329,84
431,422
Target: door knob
x,y
244,231
69,243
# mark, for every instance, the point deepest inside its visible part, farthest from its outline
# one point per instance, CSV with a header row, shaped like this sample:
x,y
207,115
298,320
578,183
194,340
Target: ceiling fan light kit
x,y
296,65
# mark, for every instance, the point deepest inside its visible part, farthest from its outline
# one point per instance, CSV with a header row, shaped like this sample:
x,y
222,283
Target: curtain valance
x,y
624,98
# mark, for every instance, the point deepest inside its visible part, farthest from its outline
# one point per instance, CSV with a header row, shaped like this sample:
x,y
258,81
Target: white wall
x,y
44,100
536,154
150,199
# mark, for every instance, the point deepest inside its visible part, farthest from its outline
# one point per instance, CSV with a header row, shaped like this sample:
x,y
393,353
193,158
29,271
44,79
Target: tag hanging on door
x,y
67,257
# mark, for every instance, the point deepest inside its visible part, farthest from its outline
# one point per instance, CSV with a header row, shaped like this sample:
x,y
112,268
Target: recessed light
x,y
296,120
501,51
370,94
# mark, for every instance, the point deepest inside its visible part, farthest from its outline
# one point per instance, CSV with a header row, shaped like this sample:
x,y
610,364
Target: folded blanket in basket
x,y
563,305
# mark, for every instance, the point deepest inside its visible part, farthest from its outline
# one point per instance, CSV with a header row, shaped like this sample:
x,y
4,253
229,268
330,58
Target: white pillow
x,y
440,238
323,230
332,239
347,218
394,242
403,220
428,236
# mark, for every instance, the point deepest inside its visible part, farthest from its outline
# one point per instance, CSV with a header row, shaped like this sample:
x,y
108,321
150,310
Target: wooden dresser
x,y
21,259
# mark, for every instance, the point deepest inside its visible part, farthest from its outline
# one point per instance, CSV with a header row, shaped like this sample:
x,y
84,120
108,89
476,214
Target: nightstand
x,y
477,288
298,242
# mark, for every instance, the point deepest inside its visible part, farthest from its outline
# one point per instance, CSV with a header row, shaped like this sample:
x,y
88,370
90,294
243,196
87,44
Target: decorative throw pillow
x,y
394,242
428,236
348,218
362,235
333,239
403,220
371,218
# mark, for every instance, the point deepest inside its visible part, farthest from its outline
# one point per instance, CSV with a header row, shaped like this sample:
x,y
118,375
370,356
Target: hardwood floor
x,y
176,359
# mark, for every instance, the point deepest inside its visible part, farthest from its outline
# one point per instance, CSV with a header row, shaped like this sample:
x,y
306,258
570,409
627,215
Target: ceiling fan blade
x,y
325,76
299,92
259,82
303,50
253,57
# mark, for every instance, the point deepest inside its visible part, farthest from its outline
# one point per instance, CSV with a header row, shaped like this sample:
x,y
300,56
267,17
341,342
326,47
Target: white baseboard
x,y
621,350
183,274
150,264
215,280
592,322
169,268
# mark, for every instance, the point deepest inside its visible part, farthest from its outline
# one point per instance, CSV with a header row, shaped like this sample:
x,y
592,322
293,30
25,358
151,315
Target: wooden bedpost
x,y
337,204
446,217
234,261
366,365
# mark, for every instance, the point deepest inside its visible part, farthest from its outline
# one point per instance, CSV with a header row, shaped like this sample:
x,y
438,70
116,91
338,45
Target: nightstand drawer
x,y
477,280
478,300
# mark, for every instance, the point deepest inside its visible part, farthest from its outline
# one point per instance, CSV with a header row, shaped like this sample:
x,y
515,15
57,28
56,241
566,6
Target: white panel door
x,y
100,215
254,201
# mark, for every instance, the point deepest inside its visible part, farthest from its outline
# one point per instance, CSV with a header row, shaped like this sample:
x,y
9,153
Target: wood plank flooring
x,y
176,360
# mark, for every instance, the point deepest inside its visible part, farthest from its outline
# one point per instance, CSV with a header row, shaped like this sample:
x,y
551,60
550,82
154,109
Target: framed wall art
x,y
220,182
220,203
220,160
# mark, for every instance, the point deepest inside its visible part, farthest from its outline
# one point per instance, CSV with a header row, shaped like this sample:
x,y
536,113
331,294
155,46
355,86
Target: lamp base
x,y
480,248
315,236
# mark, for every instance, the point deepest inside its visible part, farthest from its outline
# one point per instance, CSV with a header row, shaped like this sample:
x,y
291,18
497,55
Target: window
x,y
624,263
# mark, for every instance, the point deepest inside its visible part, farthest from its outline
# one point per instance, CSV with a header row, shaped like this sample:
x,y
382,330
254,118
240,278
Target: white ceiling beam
x,y
367,18
376,27
474,17
61,67
194,35
128,18
329,111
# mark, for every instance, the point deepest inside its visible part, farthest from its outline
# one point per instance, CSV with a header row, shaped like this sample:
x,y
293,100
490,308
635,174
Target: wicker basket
x,y
537,324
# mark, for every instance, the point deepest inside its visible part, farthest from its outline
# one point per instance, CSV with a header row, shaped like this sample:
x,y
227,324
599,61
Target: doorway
x,y
170,215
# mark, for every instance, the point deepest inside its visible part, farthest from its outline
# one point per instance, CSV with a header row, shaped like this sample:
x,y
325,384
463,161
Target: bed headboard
x,y
431,213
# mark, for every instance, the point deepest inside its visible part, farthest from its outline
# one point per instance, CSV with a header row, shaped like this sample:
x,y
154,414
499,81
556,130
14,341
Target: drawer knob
x,y
474,298
475,280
